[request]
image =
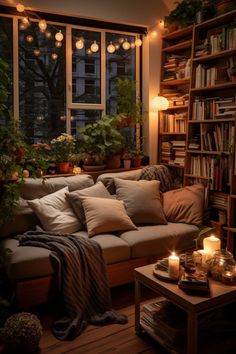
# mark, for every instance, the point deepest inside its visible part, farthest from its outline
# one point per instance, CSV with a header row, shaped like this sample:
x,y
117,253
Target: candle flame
x,y
173,253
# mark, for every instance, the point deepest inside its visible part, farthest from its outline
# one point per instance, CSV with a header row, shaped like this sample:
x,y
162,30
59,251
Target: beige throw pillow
x,y
185,204
142,200
105,215
97,190
55,212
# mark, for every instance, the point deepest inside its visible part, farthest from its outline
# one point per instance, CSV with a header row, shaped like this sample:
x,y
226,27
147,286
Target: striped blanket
x,y
84,282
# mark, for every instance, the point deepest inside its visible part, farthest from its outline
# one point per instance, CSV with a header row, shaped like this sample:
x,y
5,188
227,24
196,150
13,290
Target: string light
x,y
36,52
132,45
25,21
138,42
42,25
29,38
48,34
54,56
59,36
111,48
126,45
121,40
117,46
20,7
79,44
88,51
58,44
94,47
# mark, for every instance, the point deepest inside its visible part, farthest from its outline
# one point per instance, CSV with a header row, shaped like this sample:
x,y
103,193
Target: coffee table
x,y
194,305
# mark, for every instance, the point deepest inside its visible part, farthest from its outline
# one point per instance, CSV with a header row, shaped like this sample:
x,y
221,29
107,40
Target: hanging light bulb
x,y
79,44
29,38
48,34
126,45
42,25
121,40
36,52
138,42
22,26
117,46
111,48
54,56
25,20
88,51
59,36
132,45
20,7
58,44
94,47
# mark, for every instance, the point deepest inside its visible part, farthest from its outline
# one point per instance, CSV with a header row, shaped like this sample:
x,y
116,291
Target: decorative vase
x,y
63,167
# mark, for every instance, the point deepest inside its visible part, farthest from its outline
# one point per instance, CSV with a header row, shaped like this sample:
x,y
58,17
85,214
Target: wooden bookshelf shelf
x,y
179,34
171,133
210,57
178,47
216,21
214,121
208,152
219,87
174,108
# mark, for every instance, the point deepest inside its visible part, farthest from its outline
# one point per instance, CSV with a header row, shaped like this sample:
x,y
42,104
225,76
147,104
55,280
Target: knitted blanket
x,y
160,173
84,283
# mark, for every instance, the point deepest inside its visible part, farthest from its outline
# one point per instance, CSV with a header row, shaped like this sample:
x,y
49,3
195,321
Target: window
x,y
42,84
7,55
58,90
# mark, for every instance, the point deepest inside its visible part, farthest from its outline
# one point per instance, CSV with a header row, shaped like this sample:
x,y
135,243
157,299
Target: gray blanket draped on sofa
x,y
84,283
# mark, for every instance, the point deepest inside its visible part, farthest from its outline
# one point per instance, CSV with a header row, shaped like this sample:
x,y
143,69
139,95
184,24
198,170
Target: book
x,y
197,281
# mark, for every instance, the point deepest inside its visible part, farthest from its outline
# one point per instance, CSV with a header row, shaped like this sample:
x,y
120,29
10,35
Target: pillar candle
x,y
173,266
211,244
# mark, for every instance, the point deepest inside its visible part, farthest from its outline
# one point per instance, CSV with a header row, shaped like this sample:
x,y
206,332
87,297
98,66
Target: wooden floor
x,y
107,339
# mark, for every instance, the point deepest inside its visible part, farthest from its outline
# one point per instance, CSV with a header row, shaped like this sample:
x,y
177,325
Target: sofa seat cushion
x,y
28,262
114,248
160,239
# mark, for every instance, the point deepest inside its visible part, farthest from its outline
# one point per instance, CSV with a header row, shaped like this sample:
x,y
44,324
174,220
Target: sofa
x,y
34,273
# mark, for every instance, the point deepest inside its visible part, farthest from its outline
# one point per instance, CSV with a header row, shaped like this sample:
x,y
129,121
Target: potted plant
x,y
137,156
184,14
63,148
101,141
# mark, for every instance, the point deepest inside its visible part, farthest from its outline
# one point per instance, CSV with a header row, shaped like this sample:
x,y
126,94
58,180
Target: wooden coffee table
x,y
195,305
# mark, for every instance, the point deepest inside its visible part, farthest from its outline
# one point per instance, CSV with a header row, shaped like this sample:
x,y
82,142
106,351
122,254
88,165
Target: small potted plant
x,y
137,156
63,147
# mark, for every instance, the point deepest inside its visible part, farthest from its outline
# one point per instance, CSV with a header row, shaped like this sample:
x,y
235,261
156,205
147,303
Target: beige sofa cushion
x,y
55,212
108,178
185,204
160,240
38,188
97,190
105,215
142,200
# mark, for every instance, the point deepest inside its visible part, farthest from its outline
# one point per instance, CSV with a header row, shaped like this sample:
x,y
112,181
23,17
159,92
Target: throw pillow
x,y
97,190
105,215
142,200
185,204
55,212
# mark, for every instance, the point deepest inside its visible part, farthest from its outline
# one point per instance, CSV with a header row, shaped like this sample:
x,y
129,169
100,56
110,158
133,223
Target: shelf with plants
x,y
175,84
210,143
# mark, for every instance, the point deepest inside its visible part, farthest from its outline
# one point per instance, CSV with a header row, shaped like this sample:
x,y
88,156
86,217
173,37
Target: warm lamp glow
x,y
153,34
138,42
111,48
59,36
29,38
94,47
126,45
42,25
20,7
79,44
159,103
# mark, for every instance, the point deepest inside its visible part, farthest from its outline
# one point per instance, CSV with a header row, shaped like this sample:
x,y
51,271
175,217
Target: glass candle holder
x,y
223,266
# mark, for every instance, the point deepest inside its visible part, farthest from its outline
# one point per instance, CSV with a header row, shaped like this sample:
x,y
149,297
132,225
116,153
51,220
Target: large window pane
x,y
86,67
42,82
121,64
6,55
79,118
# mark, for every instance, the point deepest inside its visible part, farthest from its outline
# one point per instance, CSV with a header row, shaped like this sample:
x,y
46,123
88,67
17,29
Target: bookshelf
x,y
175,85
210,127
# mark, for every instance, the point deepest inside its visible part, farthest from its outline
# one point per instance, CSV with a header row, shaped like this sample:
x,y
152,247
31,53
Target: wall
x,y
124,11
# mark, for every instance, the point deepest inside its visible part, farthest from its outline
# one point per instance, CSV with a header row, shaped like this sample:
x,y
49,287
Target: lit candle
x,y
173,266
227,276
205,256
211,244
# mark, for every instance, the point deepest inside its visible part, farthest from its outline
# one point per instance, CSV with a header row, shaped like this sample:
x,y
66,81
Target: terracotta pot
x,y
136,161
113,162
63,167
225,6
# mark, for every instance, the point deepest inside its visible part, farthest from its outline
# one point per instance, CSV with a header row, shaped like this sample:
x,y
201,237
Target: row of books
x,y
210,76
173,152
176,98
176,67
219,200
218,138
214,108
174,122
215,169
216,41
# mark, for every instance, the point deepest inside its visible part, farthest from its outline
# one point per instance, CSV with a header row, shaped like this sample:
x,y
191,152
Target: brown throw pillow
x,y
105,215
142,200
97,190
185,204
